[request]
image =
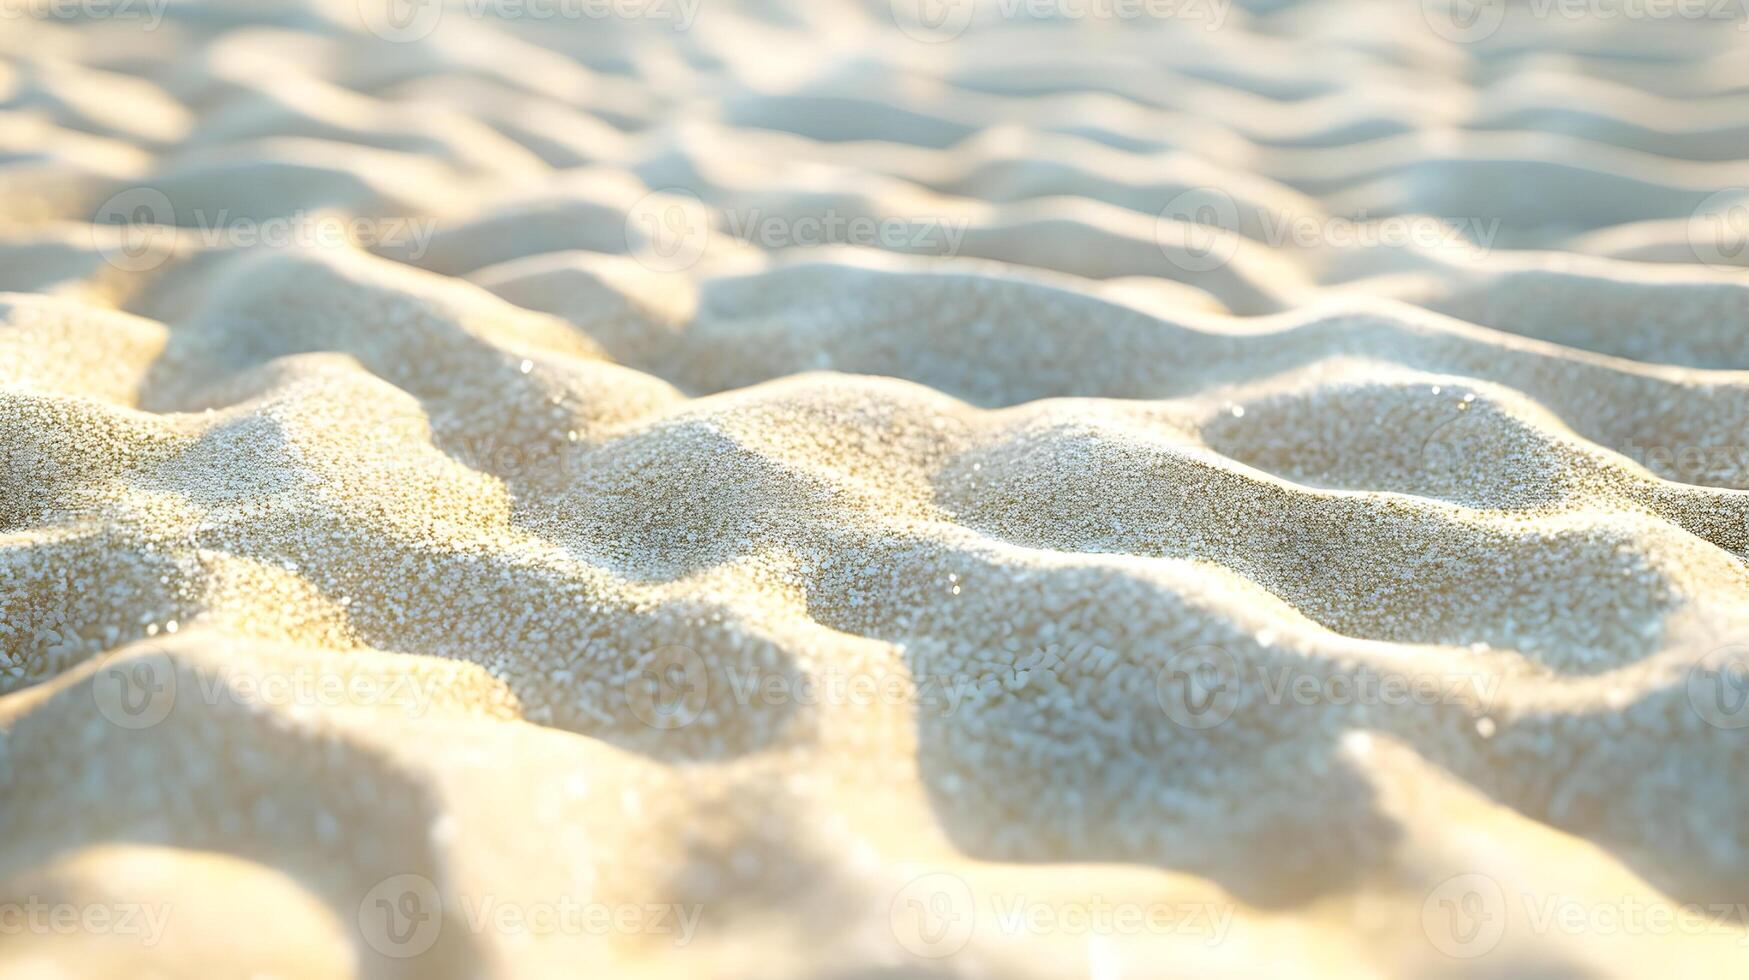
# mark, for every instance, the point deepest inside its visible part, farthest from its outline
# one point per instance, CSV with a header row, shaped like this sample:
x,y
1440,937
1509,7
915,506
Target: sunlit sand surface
x,y
798,489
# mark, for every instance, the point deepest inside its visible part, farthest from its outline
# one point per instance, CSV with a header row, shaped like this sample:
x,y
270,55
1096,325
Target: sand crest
x,y
822,488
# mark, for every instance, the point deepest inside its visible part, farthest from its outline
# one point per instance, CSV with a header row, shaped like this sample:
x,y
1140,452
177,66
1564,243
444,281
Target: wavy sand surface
x,y
798,493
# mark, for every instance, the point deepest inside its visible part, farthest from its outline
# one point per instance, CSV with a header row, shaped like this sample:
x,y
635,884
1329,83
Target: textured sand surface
x,y
781,489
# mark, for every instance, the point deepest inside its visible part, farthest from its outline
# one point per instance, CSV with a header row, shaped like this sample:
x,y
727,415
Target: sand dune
x,y
785,489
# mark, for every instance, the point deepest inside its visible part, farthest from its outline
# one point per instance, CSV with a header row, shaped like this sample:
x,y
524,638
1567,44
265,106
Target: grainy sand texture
x,y
905,488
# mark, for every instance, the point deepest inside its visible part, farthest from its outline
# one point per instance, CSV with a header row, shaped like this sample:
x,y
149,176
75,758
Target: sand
x,y
789,489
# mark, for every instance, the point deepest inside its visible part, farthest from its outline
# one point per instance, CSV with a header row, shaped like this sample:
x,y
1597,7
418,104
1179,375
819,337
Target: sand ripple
x,y
783,469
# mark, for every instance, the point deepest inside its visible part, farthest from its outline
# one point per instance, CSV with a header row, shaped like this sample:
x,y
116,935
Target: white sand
x,y
905,543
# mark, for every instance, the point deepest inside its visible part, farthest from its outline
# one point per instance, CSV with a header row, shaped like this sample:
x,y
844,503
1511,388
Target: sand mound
x,y
793,489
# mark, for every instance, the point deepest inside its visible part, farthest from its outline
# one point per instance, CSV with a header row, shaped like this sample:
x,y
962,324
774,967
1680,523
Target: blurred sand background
x,y
813,488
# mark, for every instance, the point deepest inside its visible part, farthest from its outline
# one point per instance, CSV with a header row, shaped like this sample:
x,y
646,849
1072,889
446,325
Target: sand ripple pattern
x,y
839,488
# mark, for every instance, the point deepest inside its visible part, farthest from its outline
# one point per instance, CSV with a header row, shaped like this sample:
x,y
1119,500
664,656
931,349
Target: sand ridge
x,y
795,495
